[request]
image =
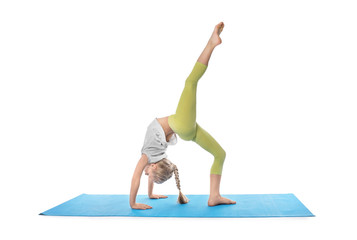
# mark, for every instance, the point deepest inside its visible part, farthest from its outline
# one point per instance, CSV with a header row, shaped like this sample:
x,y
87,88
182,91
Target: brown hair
x,y
164,171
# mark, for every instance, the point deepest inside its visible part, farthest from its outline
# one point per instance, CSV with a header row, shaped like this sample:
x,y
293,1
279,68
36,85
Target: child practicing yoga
x,y
162,132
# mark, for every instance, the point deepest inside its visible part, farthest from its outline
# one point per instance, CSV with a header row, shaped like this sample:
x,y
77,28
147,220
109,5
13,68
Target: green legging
x,y
184,121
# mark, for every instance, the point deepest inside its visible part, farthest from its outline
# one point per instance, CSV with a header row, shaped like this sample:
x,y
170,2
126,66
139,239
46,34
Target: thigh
x,y
207,142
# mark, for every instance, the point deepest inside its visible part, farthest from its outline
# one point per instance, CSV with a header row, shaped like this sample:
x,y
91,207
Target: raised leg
x,y
214,41
183,122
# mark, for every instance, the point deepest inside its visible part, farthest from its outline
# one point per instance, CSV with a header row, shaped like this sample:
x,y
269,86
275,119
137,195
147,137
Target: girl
x,y
162,132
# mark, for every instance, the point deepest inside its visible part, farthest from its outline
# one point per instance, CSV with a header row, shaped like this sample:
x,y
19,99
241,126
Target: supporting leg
x,y
207,142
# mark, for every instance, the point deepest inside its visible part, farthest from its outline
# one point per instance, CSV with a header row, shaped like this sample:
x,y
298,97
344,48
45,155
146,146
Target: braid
x,y
182,199
164,171
177,178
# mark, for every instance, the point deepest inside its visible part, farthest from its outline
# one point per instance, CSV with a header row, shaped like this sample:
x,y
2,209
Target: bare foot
x,y
213,201
215,38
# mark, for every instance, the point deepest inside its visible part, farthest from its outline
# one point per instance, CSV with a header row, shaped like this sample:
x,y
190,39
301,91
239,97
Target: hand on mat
x,y
140,206
154,196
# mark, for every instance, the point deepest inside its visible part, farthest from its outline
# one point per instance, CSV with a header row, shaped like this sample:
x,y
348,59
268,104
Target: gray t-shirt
x,y
155,142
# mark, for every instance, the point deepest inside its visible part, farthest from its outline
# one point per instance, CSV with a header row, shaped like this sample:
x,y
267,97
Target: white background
x,y
81,81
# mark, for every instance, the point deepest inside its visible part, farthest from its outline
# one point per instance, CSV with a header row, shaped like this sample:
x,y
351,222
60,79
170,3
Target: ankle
x,y
211,45
214,196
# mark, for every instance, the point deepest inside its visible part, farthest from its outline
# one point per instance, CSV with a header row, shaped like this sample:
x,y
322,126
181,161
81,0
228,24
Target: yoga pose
x,y
162,132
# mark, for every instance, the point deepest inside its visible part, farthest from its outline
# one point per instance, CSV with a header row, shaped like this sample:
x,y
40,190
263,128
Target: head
x,y
161,171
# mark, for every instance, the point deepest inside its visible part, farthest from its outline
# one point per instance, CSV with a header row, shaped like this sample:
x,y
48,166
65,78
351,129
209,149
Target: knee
x,y
217,165
220,155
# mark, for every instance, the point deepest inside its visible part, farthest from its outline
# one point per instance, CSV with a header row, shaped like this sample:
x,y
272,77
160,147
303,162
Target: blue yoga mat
x,y
248,205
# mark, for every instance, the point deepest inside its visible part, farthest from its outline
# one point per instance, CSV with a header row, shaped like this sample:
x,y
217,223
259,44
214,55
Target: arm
x,y
150,188
135,183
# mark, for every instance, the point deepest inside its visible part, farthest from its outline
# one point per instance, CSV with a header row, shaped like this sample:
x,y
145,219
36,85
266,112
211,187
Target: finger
x,y
163,196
